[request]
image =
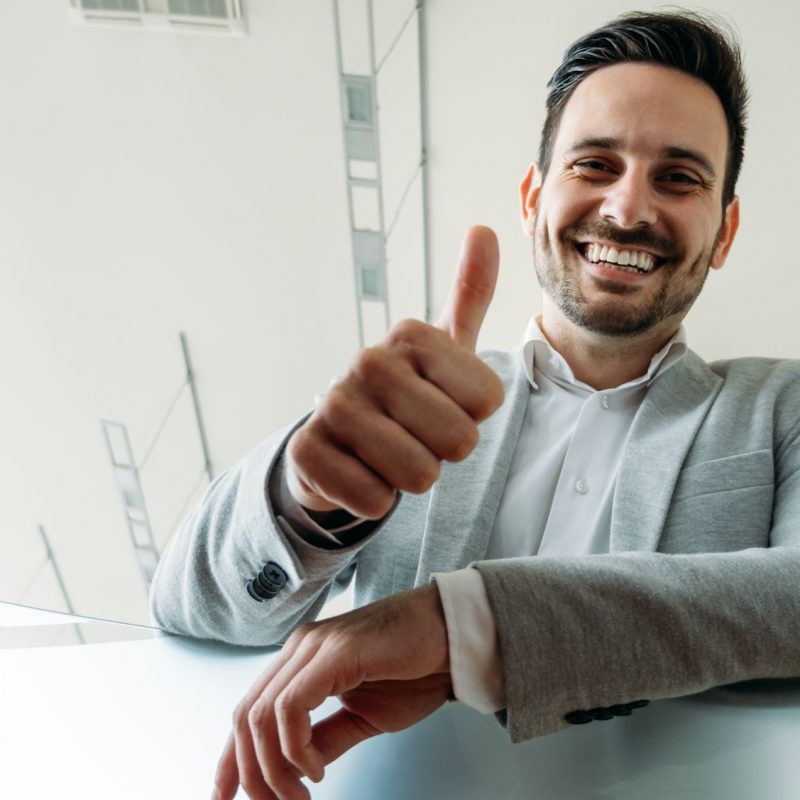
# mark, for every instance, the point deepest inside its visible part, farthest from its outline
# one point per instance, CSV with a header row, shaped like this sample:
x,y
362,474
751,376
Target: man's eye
x,y
680,178
591,164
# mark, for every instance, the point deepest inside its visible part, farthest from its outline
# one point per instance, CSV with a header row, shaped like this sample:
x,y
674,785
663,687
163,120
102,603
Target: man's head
x,y
633,201
685,41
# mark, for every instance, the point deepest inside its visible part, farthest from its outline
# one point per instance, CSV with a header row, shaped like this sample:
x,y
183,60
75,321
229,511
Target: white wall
x,y
151,183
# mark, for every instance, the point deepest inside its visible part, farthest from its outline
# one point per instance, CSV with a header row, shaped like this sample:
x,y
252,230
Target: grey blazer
x,y
701,586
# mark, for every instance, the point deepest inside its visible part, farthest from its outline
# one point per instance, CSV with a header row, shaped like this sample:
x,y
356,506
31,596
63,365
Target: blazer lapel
x,y
465,499
662,432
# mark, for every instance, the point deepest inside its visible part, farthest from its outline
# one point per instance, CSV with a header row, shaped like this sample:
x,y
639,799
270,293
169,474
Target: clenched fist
x,y
405,405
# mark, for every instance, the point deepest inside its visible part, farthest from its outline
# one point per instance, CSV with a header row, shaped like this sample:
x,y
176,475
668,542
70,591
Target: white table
x,y
147,719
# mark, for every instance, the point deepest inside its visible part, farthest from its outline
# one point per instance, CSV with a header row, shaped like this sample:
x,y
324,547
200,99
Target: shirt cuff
x,y
339,528
476,668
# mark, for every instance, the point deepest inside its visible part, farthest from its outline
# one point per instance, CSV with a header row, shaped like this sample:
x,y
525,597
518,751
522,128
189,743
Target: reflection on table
x,y
147,719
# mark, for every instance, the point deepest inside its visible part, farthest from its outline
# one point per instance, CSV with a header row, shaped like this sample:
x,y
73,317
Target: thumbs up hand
x,y
405,405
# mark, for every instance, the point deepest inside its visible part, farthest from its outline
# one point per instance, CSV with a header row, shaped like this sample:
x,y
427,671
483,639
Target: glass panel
x,y
370,283
359,104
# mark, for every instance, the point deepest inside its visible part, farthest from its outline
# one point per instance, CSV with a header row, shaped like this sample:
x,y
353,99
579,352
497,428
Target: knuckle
x,y
283,705
219,778
422,478
304,631
300,633
370,364
497,392
375,503
240,715
338,409
300,447
491,398
252,782
256,716
462,443
408,330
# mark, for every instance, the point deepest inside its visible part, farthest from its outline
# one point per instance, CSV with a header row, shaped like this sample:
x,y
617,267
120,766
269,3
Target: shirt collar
x,y
539,354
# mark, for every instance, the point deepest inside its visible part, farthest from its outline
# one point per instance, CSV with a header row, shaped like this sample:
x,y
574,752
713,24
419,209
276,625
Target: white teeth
x,y
644,262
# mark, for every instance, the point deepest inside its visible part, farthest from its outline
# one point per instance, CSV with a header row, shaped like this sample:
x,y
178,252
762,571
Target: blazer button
x,y
578,717
622,710
601,713
268,582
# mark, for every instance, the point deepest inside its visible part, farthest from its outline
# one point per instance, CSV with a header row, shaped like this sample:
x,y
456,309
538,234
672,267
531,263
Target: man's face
x,y
637,175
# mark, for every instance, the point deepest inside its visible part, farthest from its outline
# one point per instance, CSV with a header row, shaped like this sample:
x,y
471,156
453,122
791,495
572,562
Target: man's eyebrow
x,y
610,143
690,155
601,143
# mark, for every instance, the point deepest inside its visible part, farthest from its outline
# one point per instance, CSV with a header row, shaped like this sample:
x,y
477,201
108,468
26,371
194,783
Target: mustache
x,y
643,238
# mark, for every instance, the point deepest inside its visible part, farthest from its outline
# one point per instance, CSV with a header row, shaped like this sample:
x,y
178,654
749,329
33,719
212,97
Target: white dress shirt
x,y
557,500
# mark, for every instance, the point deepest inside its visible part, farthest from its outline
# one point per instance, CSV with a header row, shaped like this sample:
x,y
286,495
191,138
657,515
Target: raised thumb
x,y
473,287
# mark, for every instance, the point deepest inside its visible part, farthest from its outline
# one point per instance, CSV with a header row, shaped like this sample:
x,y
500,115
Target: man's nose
x,y
630,201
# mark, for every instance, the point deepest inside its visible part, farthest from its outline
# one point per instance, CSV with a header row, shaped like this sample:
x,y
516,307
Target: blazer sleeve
x,y
200,587
589,631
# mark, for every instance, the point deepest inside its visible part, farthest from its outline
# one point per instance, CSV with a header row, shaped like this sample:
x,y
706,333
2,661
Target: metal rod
x,y
146,521
376,128
56,570
34,578
422,47
196,402
51,557
163,425
342,103
402,202
396,39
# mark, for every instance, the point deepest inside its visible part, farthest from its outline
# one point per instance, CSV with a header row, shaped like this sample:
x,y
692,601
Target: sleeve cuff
x,y
475,664
341,529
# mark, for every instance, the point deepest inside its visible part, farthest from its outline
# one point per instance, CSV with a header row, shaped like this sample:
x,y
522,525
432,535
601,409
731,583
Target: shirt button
x,y
581,487
605,402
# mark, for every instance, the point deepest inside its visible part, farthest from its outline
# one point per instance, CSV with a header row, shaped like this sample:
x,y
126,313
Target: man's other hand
x,y
405,405
387,663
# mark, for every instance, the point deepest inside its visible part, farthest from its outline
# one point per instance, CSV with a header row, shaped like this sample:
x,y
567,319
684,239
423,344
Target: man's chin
x,y
609,319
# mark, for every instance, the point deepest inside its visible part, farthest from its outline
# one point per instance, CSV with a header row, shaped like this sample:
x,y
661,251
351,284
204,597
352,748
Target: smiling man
x,y
557,534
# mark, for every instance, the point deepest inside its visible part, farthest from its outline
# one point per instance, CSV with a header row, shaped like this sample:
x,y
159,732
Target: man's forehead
x,y
646,108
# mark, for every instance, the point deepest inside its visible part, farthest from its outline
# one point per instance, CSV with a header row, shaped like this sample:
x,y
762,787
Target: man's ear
x,y
529,191
727,233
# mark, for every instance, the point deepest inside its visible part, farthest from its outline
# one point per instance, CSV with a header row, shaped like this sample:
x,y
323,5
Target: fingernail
x,y
215,795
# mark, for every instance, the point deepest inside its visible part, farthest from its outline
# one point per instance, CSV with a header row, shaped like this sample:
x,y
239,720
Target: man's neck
x,y
599,360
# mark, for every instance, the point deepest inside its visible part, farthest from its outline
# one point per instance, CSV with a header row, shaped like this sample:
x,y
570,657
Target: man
x,y
622,525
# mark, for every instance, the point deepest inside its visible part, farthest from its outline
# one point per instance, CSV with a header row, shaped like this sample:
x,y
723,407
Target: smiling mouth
x,y
638,261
